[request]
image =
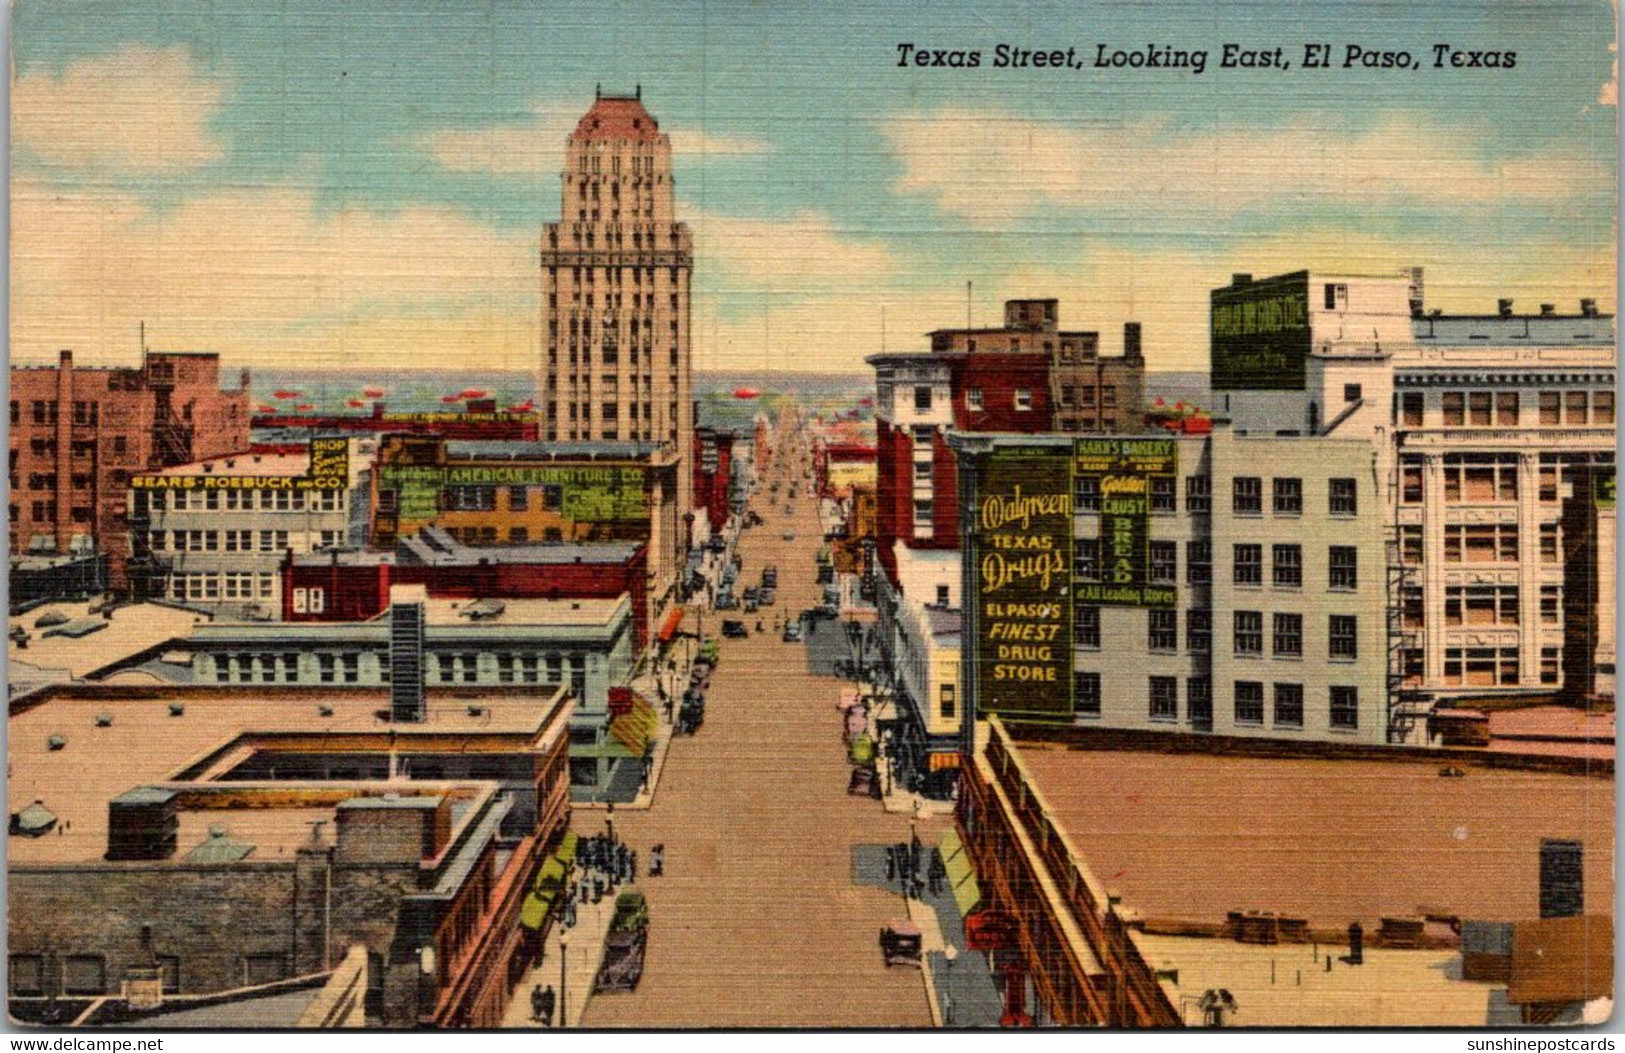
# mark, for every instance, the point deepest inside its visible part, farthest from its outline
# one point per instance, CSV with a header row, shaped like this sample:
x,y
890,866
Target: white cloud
x,y
533,143
138,109
993,169
265,277
804,255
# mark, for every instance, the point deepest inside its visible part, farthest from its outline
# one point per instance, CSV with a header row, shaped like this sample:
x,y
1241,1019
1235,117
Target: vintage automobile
x,y
624,945
792,632
900,943
734,630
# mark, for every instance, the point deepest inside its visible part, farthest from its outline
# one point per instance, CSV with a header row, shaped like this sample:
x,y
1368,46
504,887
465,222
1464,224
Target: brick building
x,y
78,434
240,836
713,477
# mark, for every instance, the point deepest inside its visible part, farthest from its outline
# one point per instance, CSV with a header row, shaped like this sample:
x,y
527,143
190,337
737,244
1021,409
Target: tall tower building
x,y
615,290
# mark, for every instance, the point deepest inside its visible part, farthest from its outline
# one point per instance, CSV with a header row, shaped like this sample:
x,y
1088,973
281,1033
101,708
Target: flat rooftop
x,y
146,744
132,629
1287,985
1195,836
524,612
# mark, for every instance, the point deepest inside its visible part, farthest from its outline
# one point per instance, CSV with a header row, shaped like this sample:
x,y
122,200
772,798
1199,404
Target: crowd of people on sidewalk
x,y
915,868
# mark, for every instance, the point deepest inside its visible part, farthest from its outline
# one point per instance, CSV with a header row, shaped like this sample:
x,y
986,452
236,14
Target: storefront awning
x,y
961,875
567,848
943,761
668,629
533,912
634,729
551,877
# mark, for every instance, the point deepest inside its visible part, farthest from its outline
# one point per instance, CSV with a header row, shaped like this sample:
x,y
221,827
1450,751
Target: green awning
x,y
534,911
567,848
551,876
961,874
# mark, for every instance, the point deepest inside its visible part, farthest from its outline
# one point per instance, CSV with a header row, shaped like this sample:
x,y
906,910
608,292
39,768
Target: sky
x,y
362,185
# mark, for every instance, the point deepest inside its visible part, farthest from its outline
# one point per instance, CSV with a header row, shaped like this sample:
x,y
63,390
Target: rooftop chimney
x,y
1588,307
1131,340
1548,310
1504,308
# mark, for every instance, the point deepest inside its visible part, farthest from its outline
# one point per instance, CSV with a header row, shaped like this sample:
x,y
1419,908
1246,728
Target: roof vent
x,y
56,742
104,720
1547,310
1504,308
177,709
1588,307
324,711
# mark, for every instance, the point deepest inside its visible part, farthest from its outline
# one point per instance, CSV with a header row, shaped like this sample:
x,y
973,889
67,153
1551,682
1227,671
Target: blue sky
x,y
315,184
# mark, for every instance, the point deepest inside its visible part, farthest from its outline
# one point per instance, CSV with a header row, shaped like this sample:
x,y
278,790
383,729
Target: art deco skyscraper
x,y
615,289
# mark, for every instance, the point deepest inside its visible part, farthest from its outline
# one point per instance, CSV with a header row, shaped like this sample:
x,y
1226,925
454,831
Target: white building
x,y
1495,440
1267,555
213,533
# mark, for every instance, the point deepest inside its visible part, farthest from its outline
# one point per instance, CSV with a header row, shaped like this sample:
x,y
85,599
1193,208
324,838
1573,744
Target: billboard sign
x,y
586,494
1124,469
1021,552
328,469
1260,335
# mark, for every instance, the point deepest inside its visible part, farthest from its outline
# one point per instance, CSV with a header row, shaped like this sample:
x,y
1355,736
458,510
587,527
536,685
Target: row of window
x,y
1286,568
1483,409
1478,478
1343,702
1286,495
439,668
86,974
235,540
230,585
240,500
1162,633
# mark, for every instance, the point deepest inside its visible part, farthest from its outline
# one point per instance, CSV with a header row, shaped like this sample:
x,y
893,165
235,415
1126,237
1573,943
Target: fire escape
x,y
1407,703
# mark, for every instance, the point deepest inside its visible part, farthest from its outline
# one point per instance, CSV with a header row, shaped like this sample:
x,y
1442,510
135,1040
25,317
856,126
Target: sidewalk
x,y
584,945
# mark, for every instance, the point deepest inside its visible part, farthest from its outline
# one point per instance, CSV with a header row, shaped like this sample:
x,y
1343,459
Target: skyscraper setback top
x,y
618,117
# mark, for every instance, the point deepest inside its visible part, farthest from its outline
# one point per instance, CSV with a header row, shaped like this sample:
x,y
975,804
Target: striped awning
x,y
635,729
668,629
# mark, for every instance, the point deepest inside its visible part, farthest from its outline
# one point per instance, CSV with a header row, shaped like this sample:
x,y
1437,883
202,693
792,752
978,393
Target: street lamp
x,y
609,820
564,961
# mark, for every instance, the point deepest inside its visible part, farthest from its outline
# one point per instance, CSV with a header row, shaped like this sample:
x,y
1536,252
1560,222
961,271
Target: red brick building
x,y
713,474
354,585
78,434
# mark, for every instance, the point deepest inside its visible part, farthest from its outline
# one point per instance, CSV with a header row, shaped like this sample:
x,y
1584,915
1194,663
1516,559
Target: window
x,y
1198,631
518,535
1455,409
1480,477
518,499
1163,630
942,595
1551,665
169,971
1086,560
1164,698
1337,296
1164,562
1551,403
1481,666
1506,408
1602,407
1198,562
1249,564
1343,570
1551,604
1411,549
1550,542
1289,705
1249,702
1086,626
1024,400
1478,409
1410,409
1086,493
922,397
1288,636
1343,633
1574,407
1249,633
1345,708
1198,493
923,517
1481,605
1287,566
471,498
973,399
1548,480
1164,501
1481,542
84,974
1411,489
1248,495
1199,700
1351,393
1288,497
1341,499
301,601
946,704
27,971
1086,694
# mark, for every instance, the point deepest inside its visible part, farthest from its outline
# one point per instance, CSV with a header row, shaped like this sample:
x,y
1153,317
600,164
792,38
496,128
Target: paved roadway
x,y
757,921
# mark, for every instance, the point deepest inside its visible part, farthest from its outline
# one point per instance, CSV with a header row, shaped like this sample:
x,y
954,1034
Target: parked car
x,y
770,576
734,630
792,632
766,596
789,535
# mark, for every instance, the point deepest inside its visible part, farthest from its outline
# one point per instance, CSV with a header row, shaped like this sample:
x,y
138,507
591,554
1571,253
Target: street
x,y
757,921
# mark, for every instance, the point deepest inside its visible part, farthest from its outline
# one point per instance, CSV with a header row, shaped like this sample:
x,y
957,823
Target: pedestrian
x,y
632,868
536,999
891,863
549,1000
